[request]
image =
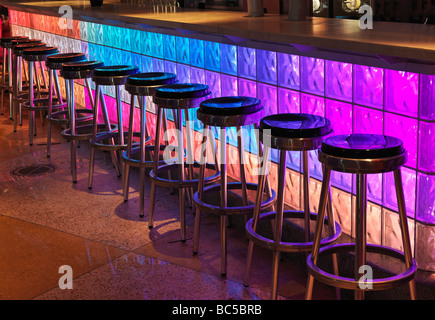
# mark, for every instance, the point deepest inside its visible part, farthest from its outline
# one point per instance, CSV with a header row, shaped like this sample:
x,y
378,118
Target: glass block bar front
x,y
356,98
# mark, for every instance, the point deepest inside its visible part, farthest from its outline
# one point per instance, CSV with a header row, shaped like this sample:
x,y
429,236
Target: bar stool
x,y
109,76
362,154
287,132
226,112
60,116
6,82
141,85
20,87
178,97
37,99
71,71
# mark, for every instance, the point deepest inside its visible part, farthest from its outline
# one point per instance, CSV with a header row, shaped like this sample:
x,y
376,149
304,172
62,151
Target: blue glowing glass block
x,y
269,98
213,80
125,57
125,34
312,104
289,101
316,168
147,64
289,71
247,88
158,65
157,47
197,75
135,41
312,75
232,136
228,59
105,54
409,178
342,180
92,51
246,63
229,85
169,49
197,53
212,56
147,45
426,198
91,32
183,52
338,80
136,60
183,73
99,36
83,30
266,66
170,67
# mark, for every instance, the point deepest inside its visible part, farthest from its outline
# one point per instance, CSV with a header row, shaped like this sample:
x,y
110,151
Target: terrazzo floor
x,y
47,222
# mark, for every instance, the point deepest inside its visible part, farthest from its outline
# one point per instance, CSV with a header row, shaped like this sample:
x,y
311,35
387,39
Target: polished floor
x,y
47,222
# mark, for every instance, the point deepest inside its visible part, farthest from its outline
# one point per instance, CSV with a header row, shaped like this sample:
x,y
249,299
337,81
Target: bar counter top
x,y
408,42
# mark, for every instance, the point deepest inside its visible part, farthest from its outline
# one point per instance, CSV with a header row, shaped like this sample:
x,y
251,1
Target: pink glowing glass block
x,y
338,80
401,92
403,128
288,71
312,75
368,86
340,115
427,97
312,104
426,148
409,178
289,101
268,96
247,88
366,120
229,85
426,198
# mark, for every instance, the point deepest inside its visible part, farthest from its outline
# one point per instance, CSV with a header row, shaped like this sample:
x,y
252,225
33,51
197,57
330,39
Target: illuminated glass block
x,y
213,80
427,97
289,101
170,67
197,75
108,36
341,180
146,43
147,64
158,65
369,86
135,41
125,57
426,148
366,120
316,169
85,49
183,53
246,63
109,56
99,36
92,51
312,104
169,49
268,96
247,88
136,60
266,66
228,59
403,128
212,56
229,85
183,73
338,80
288,71
91,32
409,178
312,75
126,39
340,115
426,198
157,47
401,92
197,53
83,30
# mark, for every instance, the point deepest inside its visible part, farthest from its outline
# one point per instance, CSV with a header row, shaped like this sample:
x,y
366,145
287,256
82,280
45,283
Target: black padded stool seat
x,y
19,49
38,53
296,125
235,105
148,79
55,61
113,75
6,42
182,91
80,69
362,146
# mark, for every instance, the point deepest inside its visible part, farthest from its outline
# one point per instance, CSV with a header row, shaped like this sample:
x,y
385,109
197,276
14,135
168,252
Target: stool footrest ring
x,y
113,133
84,132
131,161
56,117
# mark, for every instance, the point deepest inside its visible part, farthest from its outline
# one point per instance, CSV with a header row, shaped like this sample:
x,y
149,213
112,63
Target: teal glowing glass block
x,y
197,75
266,66
136,42
136,60
92,51
246,63
409,180
229,85
368,87
313,75
312,104
125,57
289,71
108,36
183,52
197,53
401,92
228,59
169,48
83,30
158,65
147,64
99,35
289,101
157,47
108,56
426,198
147,45
338,80
91,32
212,56
126,39
183,73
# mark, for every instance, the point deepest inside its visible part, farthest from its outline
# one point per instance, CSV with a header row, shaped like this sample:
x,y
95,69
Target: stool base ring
x,y
352,284
109,135
56,117
249,209
288,246
84,132
131,161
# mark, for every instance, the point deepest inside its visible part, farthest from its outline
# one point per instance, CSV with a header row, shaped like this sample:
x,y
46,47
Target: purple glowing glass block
x,y
229,85
313,75
427,97
289,101
403,128
338,80
158,65
213,80
268,96
247,88
170,67
341,180
289,71
401,92
366,120
312,104
136,60
246,63
426,148
266,66
228,59
426,198
409,178
368,86
340,115
197,75
147,64
183,73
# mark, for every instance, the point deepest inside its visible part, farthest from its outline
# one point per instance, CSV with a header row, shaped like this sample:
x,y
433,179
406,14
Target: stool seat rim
x,y
66,57
9,39
230,105
81,65
148,79
115,71
40,51
182,91
18,50
17,42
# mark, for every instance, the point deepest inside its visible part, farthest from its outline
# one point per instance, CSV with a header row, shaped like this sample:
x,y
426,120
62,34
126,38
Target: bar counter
x,y
365,81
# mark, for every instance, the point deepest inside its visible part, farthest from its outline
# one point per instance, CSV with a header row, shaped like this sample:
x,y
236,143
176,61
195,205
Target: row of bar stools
x,y
109,140
74,71
58,104
179,97
287,132
141,86
226,112
362,154
37,101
